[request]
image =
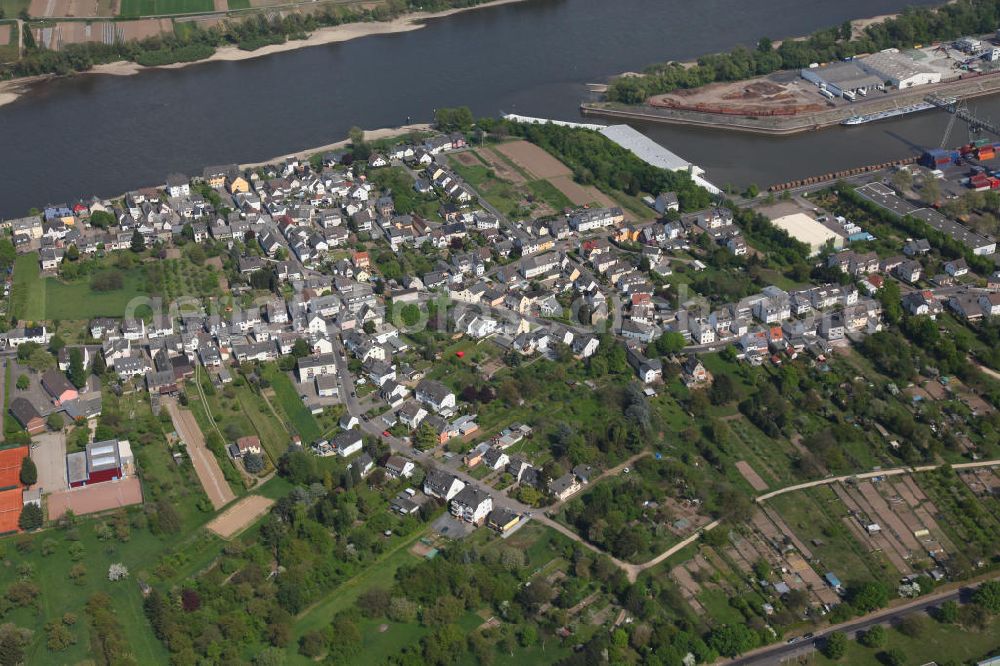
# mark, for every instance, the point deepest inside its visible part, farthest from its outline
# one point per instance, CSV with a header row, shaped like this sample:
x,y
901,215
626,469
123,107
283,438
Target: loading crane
x,y
960,111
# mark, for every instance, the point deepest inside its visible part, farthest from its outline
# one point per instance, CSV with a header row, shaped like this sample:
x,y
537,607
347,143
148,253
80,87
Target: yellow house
x,y
238,184
216,180
502,520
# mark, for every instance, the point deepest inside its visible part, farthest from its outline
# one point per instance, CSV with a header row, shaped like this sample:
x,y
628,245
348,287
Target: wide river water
x,y
105,134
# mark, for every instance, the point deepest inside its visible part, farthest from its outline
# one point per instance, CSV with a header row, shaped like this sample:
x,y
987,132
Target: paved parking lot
x,y
451,527
48,451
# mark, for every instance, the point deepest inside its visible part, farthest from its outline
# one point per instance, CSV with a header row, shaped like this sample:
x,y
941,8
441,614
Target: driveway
x,y
205,465
48,451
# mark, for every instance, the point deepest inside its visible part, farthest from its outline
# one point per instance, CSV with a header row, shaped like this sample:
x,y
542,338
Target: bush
x,y
874,637
835,645
107,281
253,463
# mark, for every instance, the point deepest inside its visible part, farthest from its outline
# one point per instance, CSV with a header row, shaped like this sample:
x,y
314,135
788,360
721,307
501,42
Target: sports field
x,y
10,466
10,510
135,8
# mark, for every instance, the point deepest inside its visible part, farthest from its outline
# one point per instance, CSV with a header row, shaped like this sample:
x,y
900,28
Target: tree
x,y
670,342
874,637
29,473
425,438
31,517
452,119
40,360
891,299
733,639
947,613
868,596
988,596
253,463
300,348
11,649
912,625
138,243
893,657
72,254
77,373
835,645
369,327
55,421
23,382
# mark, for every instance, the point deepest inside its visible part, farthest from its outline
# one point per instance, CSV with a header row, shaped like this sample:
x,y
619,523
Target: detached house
x,y
442,484
436,395
472,505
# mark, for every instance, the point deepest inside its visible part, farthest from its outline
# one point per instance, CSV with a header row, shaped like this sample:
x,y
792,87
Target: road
x,y
781,653
205,465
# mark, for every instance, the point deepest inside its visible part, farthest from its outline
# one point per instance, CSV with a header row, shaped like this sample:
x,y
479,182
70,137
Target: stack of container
x,y
937,158
986,152
981,182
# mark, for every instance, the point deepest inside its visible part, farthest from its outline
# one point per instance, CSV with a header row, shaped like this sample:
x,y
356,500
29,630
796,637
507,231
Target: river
x,y
103,135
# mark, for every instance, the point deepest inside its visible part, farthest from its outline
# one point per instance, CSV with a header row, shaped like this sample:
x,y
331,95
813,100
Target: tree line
x,y
916,25
195,43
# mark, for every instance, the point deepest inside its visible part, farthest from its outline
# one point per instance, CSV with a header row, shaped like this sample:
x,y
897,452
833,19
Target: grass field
x,y
11,8
239,4
288,401
938,643
547,192
134,8
34,298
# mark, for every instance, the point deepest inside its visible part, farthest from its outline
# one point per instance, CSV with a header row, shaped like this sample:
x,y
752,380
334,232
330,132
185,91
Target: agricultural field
x,y
8,42
136,8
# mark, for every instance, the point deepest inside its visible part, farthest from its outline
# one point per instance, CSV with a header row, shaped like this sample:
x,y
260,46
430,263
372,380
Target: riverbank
x,y
12,90
370,135
980,86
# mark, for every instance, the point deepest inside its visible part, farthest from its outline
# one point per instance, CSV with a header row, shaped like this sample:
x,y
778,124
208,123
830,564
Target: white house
x,y
472,505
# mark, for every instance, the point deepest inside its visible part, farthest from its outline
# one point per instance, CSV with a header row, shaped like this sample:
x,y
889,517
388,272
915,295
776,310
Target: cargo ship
x,y
891,113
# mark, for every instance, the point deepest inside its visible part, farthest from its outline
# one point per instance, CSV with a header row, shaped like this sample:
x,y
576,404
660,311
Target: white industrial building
x,y
841,77
899,69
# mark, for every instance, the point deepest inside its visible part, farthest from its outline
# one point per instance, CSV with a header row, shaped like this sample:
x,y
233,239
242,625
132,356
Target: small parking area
x,y
451,527
48,451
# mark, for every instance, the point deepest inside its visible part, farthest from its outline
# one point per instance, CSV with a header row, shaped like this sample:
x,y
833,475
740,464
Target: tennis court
x,y
10,510
10,466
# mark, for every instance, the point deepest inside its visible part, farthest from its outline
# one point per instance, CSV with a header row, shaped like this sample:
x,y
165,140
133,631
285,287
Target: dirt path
x,y
205,465
239,516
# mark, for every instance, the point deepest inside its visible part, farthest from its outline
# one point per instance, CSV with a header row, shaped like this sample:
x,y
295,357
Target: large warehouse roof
x,y
645,148
847,76
894,65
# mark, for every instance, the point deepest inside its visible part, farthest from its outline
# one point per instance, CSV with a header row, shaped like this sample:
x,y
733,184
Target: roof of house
x,y
23,410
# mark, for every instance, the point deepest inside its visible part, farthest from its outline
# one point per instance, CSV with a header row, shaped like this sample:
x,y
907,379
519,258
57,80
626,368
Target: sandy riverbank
x,y
370,135
12,90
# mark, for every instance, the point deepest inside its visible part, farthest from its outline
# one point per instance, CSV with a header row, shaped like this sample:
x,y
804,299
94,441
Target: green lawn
x,y
239,4
35,299
11,8
134,8
288,401
547,192
940,643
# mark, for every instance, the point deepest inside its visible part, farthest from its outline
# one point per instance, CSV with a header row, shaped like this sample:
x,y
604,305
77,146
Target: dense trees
x,y
596,160
914,26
